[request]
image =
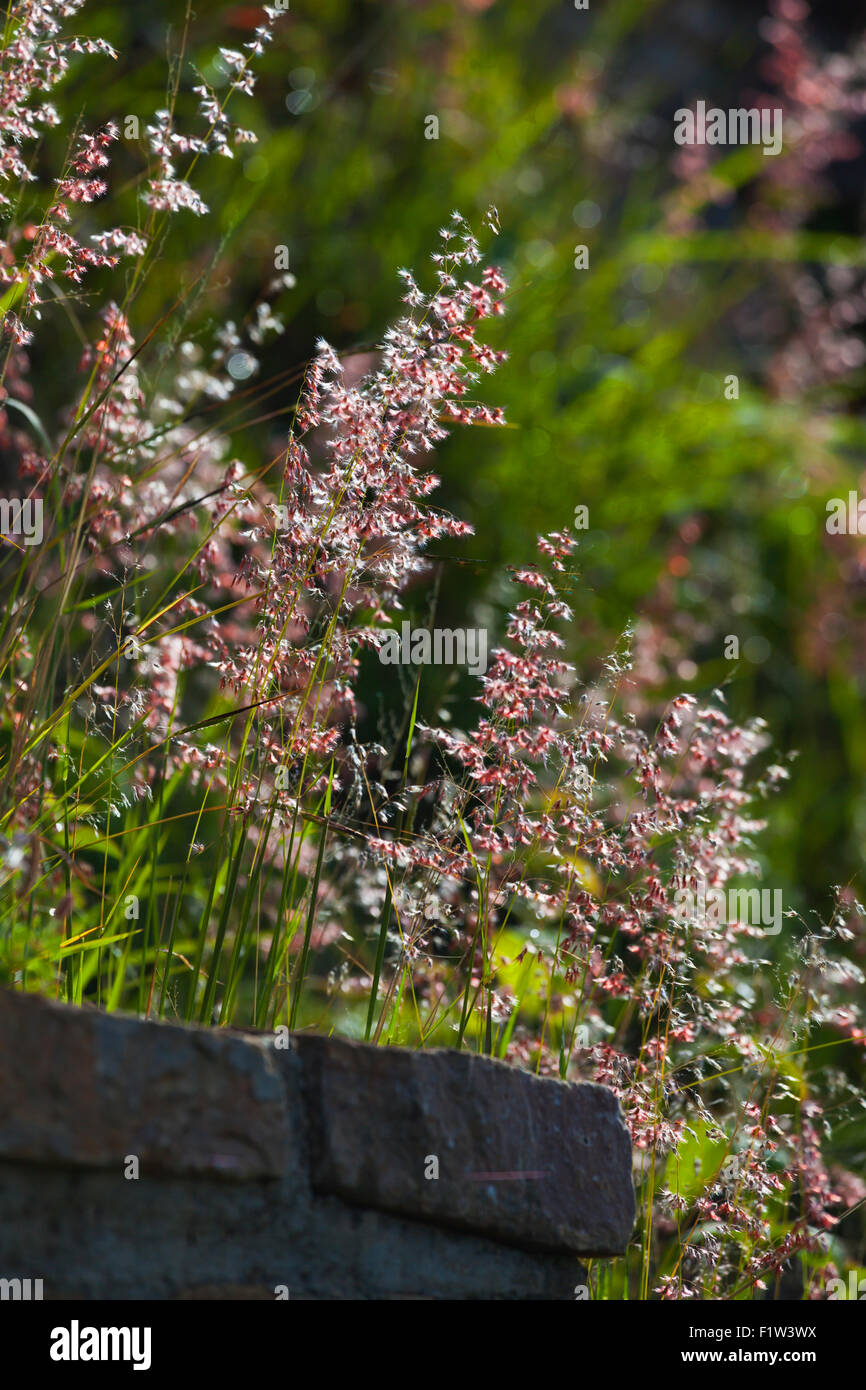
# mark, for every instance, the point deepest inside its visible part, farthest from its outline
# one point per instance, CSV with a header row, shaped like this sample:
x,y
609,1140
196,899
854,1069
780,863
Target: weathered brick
x,y
82,1087
530,1161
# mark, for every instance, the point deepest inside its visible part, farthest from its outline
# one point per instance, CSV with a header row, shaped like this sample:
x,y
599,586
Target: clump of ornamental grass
x,y
197,823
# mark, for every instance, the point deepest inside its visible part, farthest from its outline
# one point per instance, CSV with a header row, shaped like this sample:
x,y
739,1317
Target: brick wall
x,y
148,1160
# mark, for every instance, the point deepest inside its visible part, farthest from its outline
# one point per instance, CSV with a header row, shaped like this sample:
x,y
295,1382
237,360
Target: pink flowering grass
x,y
197,826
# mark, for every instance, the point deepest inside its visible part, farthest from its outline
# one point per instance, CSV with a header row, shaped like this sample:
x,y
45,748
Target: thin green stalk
x,y
311,914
